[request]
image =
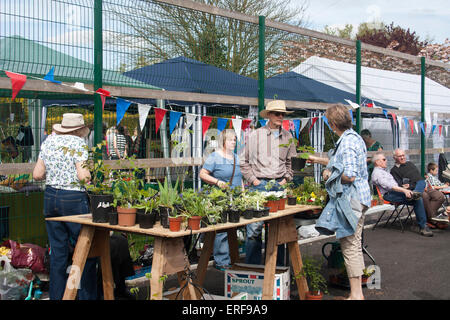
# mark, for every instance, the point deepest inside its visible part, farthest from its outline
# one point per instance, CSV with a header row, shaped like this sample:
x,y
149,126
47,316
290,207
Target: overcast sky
x,y
429,18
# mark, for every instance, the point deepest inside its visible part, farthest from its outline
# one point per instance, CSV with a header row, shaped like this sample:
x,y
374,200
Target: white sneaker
x,y
440,218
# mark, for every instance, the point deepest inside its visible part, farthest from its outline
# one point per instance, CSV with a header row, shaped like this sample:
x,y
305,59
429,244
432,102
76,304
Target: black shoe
x,y
426,232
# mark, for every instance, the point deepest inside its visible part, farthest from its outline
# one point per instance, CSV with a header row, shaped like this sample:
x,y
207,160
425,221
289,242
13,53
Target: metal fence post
x,y
98,70
422,116
358,85
261,58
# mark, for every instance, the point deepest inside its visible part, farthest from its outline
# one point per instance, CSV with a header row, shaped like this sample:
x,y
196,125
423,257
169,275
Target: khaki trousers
x,y
352,248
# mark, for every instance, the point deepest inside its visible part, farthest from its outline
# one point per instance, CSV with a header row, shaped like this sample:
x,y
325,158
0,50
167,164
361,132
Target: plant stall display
x,y
193,208
257,200
316,282
311,193
303,152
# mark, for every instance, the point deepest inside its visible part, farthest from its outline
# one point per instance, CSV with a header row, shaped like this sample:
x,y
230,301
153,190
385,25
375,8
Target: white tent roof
x,y
401,90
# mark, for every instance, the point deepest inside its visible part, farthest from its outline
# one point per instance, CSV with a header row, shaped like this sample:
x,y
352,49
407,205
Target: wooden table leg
x,y
101,248
156,286
233,245
271,261
207,250
297,265
80,255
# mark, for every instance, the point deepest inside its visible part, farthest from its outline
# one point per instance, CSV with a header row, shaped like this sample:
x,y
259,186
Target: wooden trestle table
x,y
169,255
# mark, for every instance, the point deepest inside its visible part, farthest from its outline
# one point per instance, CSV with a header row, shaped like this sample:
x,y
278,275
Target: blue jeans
x,y
419,209
221,250
253,242
60,203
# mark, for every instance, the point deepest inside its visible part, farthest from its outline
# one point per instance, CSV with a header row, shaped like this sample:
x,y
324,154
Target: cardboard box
x,y
249,278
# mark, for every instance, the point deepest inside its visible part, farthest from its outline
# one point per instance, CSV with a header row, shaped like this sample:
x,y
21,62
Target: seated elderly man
x,y
392,192
408,176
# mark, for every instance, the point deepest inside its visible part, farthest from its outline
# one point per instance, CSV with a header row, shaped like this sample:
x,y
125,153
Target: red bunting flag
x,y
411,125
286,125
159,117
394,116
103,94
370,105
245,123
440,130
313,121
206,121
17,82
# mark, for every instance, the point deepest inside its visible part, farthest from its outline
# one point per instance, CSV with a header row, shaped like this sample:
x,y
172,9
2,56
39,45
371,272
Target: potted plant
x,y
219,200
316,281
257,201
126,194
193,209
99,188
291,197
168,197
146,208
271,201
298,163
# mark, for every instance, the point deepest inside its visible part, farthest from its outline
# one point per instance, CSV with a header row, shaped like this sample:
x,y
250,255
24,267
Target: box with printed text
x,y
249,278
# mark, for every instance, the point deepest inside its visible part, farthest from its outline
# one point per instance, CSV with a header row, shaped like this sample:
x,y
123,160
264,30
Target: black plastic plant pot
x,y
257,213
234,216
147,220
292,201
224,216
164,213
101,206
265,212
248,214
113,218
297,163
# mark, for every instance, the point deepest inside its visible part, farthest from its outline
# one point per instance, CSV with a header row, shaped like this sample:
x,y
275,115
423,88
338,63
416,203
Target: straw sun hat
x,y
274,106
71,122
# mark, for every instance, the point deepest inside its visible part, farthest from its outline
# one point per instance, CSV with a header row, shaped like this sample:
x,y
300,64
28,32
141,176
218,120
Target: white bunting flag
x,y
143,110
190,118
416,126
446,130
400,123
304,122
237,125
352,104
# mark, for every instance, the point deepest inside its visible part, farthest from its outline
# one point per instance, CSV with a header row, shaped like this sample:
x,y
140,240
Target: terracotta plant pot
x,y
272,204
282,204
313,295
194,222
175,223
126,216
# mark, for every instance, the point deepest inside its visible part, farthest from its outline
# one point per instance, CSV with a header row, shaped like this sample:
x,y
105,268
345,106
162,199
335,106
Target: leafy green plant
x,y
147,200
126,187
310,193
168,194
311,272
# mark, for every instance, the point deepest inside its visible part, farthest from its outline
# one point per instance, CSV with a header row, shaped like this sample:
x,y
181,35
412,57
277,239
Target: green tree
x,y
160,31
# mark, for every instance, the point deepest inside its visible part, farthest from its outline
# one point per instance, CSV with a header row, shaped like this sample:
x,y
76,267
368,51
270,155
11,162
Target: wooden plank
x,y
297,265
288,232
102,240
175,256
271,261
80,255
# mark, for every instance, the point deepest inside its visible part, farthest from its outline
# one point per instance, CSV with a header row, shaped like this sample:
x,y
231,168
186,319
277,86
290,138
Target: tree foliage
x,y
155,31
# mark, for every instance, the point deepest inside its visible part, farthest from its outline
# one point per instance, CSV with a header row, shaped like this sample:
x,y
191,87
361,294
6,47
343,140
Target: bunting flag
x,y
351,114
50,76
440,130
103,94
291,126
246,123
237,125
369,105
352,104
394,117
416,126
190,118
159,117
421,127
405,119
221,124
304,123
385,113
173,120
296,127
263,122
446,130
121,107
433,128
286,125
400,118
206,121
17,82
80,86
313,121
143,110
411,125
326,121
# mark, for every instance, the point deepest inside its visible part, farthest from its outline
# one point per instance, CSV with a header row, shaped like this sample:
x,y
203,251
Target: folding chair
x,y
398,208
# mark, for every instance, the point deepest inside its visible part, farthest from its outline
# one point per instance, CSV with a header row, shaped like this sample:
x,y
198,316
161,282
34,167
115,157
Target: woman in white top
x,y
60,163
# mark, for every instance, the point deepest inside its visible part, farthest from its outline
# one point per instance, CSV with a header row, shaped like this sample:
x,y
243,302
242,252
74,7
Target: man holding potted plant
x,y
263,160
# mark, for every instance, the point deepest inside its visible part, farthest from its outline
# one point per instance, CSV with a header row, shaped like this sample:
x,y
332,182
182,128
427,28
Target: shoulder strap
x,y
234,169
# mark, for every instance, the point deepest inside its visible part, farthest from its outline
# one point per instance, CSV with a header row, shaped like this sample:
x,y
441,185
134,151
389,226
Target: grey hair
x,y
377,156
